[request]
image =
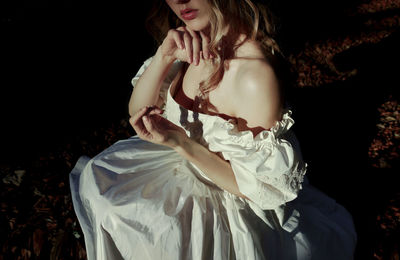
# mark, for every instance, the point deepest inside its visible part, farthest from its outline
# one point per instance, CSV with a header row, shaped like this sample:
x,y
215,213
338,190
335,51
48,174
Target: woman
x,y
215,171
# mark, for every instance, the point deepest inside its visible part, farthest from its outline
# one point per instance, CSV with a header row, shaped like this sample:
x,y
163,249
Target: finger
x,y
177,36
181,31
196,43
148,124
151,126
188,46
139,127
205,41
135,118
137,122
140,113
156,108
196,50
156,111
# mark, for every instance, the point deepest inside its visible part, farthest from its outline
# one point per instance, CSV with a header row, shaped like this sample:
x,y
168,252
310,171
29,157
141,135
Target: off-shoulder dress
x,y
139,200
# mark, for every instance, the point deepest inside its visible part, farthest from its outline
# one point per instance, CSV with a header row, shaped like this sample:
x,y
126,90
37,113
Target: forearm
x,y
216,168
147,89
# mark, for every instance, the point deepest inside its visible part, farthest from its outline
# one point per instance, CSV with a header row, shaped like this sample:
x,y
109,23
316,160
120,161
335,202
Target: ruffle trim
x,y
296,178
266,138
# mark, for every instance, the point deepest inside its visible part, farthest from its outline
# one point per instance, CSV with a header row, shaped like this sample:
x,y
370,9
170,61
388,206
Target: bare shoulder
x,y
255,74
253,71
256,92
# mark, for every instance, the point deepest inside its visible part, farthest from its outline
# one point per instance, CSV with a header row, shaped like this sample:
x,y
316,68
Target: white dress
x,y
139,200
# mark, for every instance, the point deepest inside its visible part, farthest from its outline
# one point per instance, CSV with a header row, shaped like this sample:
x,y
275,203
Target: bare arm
x,y
261,112
147,88
150,126
181,43
216,168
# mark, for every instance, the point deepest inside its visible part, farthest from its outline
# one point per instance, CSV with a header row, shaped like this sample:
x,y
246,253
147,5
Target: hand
x,y
186,45
151,126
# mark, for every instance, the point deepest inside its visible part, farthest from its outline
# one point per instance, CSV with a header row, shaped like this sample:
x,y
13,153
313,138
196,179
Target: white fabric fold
x,y
139,200
268,169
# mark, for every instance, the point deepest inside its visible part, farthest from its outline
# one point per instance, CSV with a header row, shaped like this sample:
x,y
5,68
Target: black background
x,y
66,69
67,66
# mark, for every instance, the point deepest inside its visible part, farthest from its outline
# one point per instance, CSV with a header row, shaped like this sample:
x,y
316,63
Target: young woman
x,y
215,171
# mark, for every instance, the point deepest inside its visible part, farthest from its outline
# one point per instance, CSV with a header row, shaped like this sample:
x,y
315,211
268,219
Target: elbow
x,y
131,110
132,107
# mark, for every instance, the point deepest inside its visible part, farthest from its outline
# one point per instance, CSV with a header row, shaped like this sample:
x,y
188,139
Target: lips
x,y
189,14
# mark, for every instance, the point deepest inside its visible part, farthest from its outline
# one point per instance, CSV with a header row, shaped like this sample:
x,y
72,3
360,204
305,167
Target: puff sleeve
x,y
167,81
268,168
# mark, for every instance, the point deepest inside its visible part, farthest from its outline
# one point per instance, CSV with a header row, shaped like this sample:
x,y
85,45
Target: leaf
x,y
14,178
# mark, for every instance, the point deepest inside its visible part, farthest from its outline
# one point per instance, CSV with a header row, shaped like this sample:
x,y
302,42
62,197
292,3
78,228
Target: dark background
x,y
67,66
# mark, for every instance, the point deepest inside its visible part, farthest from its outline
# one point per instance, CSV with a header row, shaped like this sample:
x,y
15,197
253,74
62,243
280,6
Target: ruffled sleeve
x,y
268,168
167,81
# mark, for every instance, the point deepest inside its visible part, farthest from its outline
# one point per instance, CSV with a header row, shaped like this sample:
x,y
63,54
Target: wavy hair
x,y
250,18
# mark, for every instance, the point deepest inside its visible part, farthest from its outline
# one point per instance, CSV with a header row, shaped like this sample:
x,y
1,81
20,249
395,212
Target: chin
x,y
197,25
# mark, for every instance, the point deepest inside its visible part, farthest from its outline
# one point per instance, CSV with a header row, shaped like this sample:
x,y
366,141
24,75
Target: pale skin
x,y
249,91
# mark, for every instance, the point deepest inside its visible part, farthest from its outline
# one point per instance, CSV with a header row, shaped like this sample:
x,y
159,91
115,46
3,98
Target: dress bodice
x,y
268,167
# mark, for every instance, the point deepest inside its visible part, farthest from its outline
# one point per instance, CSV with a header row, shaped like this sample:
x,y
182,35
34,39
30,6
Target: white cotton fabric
x,y
139,200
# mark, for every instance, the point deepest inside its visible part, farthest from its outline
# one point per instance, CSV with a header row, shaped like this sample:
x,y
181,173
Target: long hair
x,y
250,18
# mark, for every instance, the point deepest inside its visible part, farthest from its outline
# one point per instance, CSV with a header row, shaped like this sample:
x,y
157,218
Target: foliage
x,y
314,64
37,216
385,148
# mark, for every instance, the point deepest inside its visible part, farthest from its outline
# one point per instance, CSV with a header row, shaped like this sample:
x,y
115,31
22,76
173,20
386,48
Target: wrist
x,y
164,59
183,146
